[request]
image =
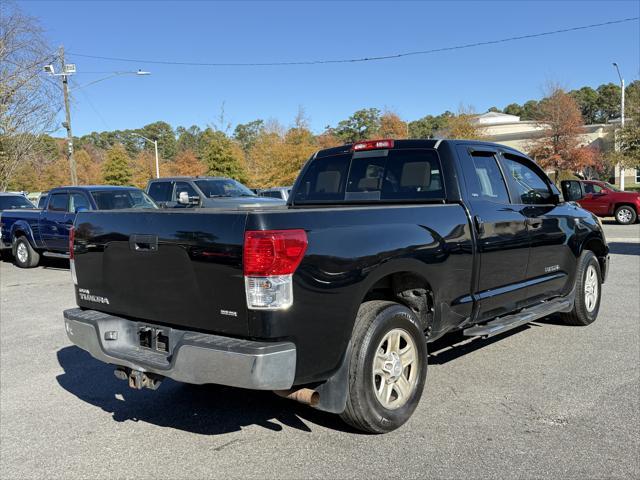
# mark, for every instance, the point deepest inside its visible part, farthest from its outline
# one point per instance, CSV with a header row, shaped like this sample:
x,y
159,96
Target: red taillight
x,y
273,252
72,237
372,145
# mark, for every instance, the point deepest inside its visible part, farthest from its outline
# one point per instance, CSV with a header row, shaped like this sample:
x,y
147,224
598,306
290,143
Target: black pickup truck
x,y
383,247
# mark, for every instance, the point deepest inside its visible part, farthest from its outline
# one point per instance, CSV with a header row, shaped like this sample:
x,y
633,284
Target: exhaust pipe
x,y
306,396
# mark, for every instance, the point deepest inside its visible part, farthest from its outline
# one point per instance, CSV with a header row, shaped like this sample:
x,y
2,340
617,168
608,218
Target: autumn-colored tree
x,y
277,158
560,147
392,126
116,169
463,126
223,157
143,168
187,164
89,172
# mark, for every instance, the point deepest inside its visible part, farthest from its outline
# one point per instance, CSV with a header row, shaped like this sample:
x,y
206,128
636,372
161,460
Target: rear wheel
x,y
387,368
24,254
625,215
588,290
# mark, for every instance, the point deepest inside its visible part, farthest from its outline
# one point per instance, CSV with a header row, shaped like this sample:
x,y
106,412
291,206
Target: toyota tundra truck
x,y
383,247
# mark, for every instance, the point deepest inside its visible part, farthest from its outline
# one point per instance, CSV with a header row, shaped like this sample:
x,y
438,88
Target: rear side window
x,y
411,174
161,191
59,202
484,179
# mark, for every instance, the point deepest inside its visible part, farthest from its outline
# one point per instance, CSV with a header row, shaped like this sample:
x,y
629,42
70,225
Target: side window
x,y
59,202
527,186
596,188
184,187
483,178
79,200
324,180
588,188
161,191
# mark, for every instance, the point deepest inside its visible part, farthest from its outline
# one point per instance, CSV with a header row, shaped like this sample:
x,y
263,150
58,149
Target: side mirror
x,y
185,199
81,209
572,190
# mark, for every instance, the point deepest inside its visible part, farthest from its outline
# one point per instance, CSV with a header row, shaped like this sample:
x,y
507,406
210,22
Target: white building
x,y
511,131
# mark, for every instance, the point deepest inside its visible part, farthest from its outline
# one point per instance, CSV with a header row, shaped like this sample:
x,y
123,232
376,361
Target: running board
x,y
503,324
56,255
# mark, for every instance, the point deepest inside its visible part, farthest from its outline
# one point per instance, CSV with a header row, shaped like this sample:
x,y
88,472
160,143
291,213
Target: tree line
x,y
266,153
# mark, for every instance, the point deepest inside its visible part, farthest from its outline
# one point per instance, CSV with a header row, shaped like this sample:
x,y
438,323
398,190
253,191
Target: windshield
x,y
118,199
10,202
612,187
223,187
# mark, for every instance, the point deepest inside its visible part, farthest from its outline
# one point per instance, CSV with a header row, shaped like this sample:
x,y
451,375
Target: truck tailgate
x,y
180,268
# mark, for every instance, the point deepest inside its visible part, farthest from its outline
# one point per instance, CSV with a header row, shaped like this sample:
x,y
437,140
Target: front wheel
x,y
387,368
625,215
588,288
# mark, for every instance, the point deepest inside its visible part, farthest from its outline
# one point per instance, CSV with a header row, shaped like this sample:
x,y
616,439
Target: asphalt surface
x,y
545,400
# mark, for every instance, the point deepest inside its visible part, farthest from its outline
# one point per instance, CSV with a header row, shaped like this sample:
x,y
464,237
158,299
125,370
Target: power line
x,y
362,59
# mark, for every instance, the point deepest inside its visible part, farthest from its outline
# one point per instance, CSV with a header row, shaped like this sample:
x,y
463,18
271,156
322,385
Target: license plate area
x,y
153,338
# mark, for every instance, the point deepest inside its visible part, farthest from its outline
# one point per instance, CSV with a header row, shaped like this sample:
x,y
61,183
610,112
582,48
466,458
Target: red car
x,y
606,200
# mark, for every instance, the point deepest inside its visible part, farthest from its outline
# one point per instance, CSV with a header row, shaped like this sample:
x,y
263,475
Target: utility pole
x,y
620,166
67,124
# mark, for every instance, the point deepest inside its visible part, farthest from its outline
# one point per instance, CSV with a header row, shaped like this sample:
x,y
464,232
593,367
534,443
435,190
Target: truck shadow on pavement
x,y
217,409
202,409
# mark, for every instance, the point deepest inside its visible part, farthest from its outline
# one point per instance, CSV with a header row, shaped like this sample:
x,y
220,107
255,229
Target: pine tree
x,y
222,157
116,169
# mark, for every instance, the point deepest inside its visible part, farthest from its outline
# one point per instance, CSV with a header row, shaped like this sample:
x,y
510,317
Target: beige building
x,y
511,131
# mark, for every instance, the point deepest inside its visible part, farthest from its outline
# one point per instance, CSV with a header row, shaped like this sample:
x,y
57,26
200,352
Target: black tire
x,y
375,320
583,312
625,215
30,259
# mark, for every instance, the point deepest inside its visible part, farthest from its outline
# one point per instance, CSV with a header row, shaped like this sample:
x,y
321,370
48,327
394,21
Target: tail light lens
x,y
72,256
270,259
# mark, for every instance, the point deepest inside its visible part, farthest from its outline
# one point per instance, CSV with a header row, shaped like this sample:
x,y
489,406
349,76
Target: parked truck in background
x,y
383,247
205,192
30,233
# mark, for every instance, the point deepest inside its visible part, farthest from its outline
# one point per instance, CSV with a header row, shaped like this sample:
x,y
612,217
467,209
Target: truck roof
x,y
93,187
199,177
416,143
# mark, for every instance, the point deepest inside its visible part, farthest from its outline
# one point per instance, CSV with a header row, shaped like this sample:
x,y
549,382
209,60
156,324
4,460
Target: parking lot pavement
x,y
546,400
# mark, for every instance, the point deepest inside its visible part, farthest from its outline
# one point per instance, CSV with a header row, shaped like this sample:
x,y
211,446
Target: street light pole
x,y
69,69
155,146
620,166
67,124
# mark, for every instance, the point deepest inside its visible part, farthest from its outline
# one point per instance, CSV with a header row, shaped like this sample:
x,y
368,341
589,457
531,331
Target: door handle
x,y
477,221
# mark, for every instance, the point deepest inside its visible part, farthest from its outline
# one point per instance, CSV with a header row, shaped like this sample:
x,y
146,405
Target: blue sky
x,y
291,31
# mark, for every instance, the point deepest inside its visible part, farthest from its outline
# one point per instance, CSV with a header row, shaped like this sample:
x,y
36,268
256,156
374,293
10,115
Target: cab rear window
x,y
376,175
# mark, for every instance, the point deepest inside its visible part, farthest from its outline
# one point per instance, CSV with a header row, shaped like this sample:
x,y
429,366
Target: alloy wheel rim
x,y
624,215
22,252
395,369
591,288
